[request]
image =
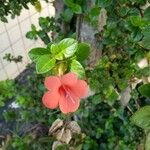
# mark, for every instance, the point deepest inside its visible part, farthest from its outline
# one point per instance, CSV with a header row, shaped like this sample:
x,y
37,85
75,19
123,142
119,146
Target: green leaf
x,y
146,39
141,118
95,11
54,48
36,53
69,3
2,104
122,11
64,49
144,72
44,36
9,115
145,90
45,23
83,51
136,35
111,95
77,68
96,99
49,46
104,3
147,14
121,2
67,15
147,144
3,19
136,20
44,64
74,7
31,35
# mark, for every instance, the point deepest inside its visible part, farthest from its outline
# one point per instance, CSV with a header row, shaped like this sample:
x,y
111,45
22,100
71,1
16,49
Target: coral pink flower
x,y
65,92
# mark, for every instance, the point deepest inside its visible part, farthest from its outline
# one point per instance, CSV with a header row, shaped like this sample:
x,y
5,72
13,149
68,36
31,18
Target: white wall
x,y
13,40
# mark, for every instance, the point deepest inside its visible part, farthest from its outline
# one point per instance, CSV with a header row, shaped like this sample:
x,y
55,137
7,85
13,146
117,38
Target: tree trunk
x,y
84,31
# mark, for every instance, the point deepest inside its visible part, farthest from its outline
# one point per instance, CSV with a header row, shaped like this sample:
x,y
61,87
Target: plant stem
x,y
130,109
137,104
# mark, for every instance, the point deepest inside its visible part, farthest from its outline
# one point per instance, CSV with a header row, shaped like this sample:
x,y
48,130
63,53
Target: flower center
x,y
67,93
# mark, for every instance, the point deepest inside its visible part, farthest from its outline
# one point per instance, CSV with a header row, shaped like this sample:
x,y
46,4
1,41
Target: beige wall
x,y
13,40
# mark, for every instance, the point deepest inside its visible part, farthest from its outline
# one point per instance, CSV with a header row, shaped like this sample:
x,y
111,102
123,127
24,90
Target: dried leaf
x,y
66,137
6,141
55,126
74,127
63,132
134,82
63,135
59,134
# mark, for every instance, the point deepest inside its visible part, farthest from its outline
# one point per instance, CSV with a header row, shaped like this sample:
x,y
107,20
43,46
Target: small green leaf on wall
x,y
32,34
141,118
36,53
145,90
38,6
64,49
44,64
77,68
3,19
83,51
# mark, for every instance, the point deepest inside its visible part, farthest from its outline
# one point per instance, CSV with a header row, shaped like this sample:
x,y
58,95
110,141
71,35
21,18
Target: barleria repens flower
x,y
64,91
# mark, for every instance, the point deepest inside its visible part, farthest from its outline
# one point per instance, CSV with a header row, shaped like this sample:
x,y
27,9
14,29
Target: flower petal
x,y
69,79
52,83
50,99
68,103
80,89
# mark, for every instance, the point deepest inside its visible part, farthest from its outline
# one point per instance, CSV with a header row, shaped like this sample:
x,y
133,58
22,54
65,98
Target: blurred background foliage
x,y
106,126
123,41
